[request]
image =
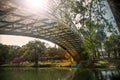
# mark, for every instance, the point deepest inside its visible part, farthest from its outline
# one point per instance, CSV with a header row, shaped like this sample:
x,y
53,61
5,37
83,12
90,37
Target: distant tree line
x,y
33,51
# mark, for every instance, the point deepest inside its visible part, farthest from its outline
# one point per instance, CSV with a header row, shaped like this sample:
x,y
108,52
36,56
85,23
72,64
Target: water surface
x,y
57,74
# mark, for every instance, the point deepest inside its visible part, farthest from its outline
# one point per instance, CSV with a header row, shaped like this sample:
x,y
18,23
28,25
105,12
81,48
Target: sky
x,y
20,40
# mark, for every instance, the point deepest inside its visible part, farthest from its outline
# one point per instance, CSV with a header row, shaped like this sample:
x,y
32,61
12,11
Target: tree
x,y
54,52
14,51
36,49
112,45
88,17
4,56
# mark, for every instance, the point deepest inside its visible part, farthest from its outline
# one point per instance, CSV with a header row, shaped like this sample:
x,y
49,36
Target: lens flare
x,y
36,5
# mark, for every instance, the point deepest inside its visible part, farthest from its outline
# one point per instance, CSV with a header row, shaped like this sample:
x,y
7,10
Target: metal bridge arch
x,y
14,21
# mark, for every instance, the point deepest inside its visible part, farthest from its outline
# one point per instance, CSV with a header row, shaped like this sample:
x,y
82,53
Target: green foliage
x,y
89,17
31,53
54,52
33,50
112,45
4,56
14,51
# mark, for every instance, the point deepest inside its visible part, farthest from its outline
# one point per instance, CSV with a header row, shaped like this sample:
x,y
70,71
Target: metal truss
x,y
14,21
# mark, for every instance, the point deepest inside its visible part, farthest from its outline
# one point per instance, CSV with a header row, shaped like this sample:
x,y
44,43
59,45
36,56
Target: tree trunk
x,y
36,59
98,54
115,54
108,52
102,52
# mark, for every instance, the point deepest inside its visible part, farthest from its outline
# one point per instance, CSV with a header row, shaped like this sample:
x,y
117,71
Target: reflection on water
x,y
57,74
96,75
35,73
108,75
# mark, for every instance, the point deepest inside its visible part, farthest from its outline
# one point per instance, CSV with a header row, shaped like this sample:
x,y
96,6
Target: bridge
x,y
15,21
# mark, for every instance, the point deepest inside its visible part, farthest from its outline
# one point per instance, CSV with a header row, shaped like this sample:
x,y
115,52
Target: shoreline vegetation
x,y
41,64
36,54
97,65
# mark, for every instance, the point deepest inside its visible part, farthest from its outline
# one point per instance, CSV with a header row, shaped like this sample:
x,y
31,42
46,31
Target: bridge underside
x,y
15,21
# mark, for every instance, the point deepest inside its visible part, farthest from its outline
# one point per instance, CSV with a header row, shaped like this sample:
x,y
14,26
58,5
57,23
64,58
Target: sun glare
x,y
36,5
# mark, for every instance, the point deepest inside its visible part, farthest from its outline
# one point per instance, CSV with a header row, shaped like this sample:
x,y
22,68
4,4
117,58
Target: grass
x,y
41,64
105,64
100,64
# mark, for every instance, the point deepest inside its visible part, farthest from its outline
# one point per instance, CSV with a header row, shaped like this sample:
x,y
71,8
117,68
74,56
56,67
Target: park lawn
x,y
41,64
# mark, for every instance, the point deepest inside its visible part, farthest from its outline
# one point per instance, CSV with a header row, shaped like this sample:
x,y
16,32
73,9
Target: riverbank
x,y
40,64
102,64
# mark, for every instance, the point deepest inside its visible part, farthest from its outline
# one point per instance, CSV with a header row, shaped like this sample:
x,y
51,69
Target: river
x,y
26,73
